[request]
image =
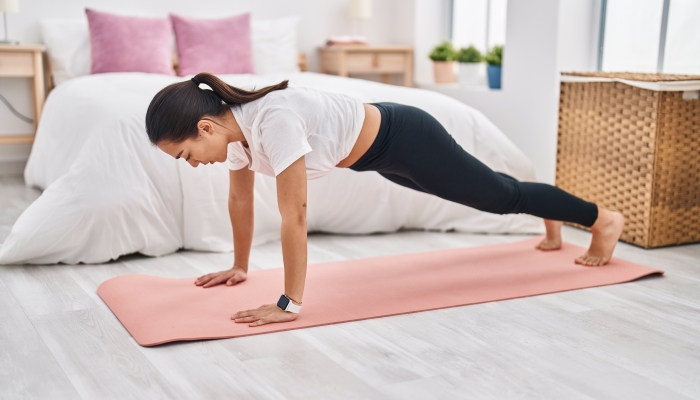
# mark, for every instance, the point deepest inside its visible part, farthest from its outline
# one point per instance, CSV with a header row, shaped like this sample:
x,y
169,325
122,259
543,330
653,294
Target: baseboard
x,y
12,167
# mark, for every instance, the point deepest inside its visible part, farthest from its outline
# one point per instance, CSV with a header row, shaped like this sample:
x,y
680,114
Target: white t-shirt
x,y
286,124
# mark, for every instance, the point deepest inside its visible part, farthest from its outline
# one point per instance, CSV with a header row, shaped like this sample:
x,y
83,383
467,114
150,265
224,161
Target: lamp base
x,y
9,42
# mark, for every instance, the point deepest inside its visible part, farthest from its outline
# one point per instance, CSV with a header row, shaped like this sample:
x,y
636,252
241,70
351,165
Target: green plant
x,y
469,55
443,52
494,56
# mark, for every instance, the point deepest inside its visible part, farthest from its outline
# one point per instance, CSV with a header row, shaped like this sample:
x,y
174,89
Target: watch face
x,y
283,302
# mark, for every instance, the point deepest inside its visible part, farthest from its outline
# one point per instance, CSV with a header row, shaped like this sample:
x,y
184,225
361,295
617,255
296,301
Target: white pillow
x,y
68,44
274,43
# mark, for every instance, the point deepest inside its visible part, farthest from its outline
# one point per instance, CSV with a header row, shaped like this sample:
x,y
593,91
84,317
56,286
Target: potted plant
x,y
443,56
469,59
494,59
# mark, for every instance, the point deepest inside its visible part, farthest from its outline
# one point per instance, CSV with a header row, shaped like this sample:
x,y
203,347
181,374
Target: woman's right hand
x,y
230,276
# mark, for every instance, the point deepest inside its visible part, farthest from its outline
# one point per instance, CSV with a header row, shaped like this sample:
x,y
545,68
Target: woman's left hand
x,y
265,314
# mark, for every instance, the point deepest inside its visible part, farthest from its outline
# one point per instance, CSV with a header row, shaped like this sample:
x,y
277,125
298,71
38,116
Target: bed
x,y
108,192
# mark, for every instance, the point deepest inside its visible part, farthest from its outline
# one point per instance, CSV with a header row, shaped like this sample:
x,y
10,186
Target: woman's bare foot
x,y
606,232
553,239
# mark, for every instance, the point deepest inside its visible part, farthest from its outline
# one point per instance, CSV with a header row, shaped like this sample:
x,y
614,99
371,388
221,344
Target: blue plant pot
x,y
494,74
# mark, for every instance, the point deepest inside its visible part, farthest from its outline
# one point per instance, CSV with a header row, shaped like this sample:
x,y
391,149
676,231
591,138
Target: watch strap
x,y
286,304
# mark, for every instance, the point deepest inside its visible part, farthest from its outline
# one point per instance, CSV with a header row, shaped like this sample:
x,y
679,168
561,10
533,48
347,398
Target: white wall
x,y
525,109
429,30
578,35
319,20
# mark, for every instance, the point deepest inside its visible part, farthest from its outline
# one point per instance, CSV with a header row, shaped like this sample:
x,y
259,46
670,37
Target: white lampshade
x,y
9,6
359,9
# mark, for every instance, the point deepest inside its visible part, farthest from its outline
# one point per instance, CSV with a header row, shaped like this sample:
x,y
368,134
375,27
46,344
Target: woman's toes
x,y
548,244
590,261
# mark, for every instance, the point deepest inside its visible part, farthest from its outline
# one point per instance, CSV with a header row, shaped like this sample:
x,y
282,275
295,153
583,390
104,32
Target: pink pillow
x,y
219,46
129,44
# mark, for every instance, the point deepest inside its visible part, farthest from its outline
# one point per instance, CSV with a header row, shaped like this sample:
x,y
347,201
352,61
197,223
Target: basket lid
x,y
637,76
650,81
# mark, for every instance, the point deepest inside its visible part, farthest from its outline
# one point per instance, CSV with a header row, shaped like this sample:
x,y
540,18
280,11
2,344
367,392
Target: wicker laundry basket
x,y
635,150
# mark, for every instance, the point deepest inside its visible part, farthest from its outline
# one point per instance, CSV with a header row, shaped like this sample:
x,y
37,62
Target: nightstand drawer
x,y
16,64
375,62
364,59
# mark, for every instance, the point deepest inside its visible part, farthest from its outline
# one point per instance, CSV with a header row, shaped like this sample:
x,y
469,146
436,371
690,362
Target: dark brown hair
x,y
174,112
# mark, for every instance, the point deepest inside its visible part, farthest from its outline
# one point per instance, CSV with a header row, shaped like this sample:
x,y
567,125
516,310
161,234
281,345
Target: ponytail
x,y
175,111
231,94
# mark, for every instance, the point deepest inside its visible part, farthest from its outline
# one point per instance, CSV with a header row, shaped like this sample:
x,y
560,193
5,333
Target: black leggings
x,y
413,150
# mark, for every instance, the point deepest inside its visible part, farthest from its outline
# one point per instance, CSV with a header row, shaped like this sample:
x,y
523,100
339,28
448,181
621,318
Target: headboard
x,y
301,61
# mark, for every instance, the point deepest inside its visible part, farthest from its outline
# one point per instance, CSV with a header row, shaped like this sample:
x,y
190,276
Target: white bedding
x,y
108,192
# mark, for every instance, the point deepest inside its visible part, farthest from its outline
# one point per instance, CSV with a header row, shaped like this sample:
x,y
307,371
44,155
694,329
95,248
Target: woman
x,y
295,134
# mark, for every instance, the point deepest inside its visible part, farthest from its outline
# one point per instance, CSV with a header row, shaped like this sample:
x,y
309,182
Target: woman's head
x,y
184,118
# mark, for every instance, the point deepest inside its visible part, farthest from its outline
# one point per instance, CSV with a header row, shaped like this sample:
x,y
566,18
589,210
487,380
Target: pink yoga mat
x,y
159,310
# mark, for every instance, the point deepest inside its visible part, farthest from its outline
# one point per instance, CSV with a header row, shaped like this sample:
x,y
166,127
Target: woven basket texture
x,y
636,151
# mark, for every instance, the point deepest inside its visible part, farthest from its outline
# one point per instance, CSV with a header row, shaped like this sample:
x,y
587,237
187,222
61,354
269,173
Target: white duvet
x,y
108,192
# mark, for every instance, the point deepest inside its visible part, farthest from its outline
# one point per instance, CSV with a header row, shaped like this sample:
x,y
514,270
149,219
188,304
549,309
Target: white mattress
x,y
108,192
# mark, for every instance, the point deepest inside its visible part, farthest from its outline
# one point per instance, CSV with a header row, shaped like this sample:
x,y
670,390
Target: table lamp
x,y
359,10
8,6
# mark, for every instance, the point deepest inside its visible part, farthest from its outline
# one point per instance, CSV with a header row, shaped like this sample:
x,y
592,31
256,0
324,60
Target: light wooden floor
x,y
639,340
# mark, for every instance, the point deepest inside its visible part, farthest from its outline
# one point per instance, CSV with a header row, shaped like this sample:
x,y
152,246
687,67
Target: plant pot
x,y
494,74
470,73
445,71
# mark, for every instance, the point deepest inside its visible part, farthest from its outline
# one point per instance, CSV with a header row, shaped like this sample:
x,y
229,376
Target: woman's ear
x,y
205,127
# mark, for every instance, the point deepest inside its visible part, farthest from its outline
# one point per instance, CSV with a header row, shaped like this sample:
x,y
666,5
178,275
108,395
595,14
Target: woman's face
x,y
209,147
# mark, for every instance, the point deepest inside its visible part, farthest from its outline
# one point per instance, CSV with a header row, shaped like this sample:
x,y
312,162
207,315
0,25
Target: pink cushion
x,y
218,46
129,44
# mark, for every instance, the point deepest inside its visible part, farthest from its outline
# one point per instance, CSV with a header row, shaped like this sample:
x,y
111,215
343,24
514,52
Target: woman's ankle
x,y
553,228
605,218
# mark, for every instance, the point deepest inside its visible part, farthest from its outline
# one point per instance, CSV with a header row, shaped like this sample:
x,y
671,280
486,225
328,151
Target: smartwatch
x,y
286,304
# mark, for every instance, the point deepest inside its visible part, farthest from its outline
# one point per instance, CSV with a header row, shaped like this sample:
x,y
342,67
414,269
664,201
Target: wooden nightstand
x,y
347,59
24,61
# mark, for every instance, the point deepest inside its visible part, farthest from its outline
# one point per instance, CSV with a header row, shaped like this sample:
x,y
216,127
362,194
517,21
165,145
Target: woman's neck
x,y
233,130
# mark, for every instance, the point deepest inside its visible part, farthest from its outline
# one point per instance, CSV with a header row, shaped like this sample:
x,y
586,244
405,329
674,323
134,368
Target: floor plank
x,y
42,290
207,370
368,356
101,361
311,375
27,368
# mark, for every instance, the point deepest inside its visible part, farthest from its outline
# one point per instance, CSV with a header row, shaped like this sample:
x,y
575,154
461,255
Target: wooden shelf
x,y
17,139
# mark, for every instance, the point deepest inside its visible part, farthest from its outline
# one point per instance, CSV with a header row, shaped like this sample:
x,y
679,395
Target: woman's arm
x,y
240,209
291,199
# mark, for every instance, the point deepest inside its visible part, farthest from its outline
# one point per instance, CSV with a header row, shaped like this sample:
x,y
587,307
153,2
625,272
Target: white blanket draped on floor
x,y
108,192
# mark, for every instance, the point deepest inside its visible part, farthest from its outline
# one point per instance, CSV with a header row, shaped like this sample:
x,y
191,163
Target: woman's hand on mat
x,y
230,276
265,314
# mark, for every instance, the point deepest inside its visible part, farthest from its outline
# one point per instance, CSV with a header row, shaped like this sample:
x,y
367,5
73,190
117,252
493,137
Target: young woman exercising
x,y
295,134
